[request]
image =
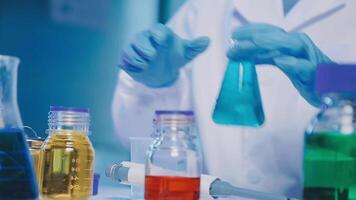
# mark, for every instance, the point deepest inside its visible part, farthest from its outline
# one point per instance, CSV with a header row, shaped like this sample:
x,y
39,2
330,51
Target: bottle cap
x,y
69,109
174,117
174,112
336,78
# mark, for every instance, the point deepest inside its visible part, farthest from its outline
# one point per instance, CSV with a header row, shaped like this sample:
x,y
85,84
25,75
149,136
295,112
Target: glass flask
x,y
67,155
330,139
17,178
173,160
239,100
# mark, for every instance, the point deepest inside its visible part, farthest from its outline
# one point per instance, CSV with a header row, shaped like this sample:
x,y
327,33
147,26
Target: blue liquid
x,y
17,179
239,101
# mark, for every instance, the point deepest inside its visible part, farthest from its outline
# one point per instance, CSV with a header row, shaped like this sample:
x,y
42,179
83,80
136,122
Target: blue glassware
x,y
17,178
239,101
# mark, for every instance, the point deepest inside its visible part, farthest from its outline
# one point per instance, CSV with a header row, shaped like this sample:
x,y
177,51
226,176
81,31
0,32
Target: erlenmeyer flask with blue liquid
x,y
239,101
17,179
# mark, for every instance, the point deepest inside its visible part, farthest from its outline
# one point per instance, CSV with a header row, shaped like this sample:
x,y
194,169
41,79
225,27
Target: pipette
x,y
130,173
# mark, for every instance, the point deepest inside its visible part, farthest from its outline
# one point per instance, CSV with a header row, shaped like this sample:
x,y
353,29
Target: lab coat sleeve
x,y
134,104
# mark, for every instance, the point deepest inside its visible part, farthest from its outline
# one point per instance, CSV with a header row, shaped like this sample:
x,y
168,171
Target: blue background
x,y
70,61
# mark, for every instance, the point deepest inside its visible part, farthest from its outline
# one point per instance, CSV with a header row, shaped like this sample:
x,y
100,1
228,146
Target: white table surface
x,y
124,193
113,193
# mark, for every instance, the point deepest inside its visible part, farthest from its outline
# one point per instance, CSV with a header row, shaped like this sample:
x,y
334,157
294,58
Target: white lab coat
x,y
268,158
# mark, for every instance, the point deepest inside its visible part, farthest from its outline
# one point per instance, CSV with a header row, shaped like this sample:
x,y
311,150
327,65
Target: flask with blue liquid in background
x,y
17,178
239,100
330,139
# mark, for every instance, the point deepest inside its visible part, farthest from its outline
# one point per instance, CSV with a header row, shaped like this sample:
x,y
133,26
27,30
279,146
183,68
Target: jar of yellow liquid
x,y
67,155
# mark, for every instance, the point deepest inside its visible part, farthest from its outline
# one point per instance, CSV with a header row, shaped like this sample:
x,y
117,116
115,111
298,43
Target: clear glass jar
x,y
67,155
330,139
173,164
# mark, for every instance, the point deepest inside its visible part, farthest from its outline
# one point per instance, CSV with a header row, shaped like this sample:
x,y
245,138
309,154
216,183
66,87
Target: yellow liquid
x,y
36,161
67,161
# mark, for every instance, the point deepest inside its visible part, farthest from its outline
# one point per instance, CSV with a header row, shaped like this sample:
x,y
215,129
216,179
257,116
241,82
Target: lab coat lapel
x,y
312,12
271,11
260,11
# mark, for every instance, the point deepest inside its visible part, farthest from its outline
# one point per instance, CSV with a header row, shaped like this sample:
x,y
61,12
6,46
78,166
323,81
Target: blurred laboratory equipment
x,y
138,152
17,178
173,164
130,173
67,155
330,139
34,143
96,180
239,101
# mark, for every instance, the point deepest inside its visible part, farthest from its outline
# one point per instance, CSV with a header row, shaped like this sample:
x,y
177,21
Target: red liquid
x,y
172,188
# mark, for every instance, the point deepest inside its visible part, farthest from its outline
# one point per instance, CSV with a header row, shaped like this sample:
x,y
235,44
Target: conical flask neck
x,y
8,80
9,113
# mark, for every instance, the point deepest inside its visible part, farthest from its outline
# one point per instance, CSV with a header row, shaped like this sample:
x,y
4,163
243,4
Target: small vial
x,y
173,160
67,155
34,145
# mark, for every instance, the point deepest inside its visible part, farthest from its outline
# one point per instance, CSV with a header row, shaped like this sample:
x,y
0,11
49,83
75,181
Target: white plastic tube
x,y
130,173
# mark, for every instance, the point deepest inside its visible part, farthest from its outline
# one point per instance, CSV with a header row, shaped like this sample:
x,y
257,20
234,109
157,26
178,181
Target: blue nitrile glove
x,y
294,53
155,56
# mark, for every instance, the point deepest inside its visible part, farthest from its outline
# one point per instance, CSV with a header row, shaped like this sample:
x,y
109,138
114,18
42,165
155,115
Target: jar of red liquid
x,y
173,164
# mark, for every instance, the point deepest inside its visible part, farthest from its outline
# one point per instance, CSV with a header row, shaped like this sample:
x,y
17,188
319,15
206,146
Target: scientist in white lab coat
x,y
173,67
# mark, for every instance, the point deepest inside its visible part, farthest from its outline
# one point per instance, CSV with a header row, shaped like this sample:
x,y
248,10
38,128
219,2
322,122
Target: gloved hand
x,y
155,56
294,53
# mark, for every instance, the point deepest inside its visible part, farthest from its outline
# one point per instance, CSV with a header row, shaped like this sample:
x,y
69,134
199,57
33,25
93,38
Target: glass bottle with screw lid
x,y
173,164
67,155
330,139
